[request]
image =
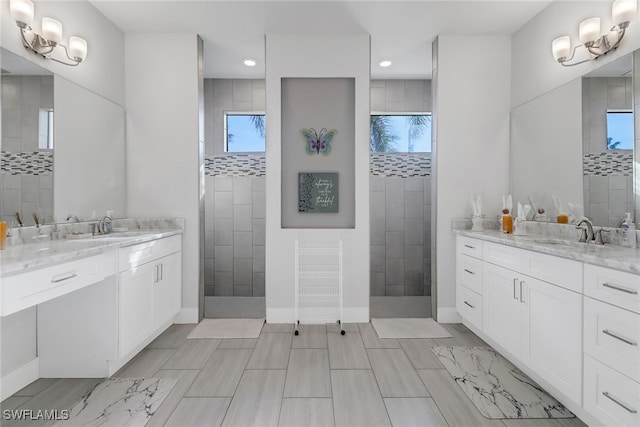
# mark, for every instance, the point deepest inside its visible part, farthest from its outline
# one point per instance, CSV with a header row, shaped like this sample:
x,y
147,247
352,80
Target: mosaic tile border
x,y
608,163
403,165
26,163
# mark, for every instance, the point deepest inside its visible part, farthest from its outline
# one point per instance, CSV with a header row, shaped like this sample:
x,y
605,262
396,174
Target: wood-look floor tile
x,y
418,412
357,400
258,399
36,387
310,336
396,377
348,327
145,364
371,340
238,343
454,405
184,380
347,351
308,374
13,402
193,354
173,337
559,422
459,338
307,412
221,374
278,327
419,353
199,411
271,351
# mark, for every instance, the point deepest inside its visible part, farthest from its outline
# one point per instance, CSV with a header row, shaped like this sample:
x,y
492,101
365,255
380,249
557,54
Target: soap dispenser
x,y
628,232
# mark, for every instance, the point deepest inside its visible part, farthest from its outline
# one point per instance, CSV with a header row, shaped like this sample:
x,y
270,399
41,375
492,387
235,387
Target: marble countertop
x,y
611,256
37,255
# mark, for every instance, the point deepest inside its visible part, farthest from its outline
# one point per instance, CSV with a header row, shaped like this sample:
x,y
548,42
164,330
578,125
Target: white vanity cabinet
x,y
537,322
469,280
149,290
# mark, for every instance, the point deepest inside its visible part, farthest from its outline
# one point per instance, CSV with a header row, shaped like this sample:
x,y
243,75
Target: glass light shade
x,y
77,48
22,11
589,30
561,47
52,30
624,11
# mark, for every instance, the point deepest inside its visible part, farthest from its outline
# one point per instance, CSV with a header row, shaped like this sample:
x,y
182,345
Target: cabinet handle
x,y
469,304
63,277
522,283
469,246
469,271
161,272
608,396
515,281
618,337
156,274
619,288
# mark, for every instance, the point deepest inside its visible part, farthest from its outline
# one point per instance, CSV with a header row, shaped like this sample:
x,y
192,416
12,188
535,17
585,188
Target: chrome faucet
x,y
104,225
587,234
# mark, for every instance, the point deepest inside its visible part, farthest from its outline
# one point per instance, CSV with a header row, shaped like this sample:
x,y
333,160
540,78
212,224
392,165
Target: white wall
x,y
546,148
163,159
472,141
297,56
89,160
535,71
102,71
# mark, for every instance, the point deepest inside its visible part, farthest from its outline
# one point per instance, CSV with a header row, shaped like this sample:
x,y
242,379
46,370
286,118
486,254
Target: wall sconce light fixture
x,y
623,12
45,44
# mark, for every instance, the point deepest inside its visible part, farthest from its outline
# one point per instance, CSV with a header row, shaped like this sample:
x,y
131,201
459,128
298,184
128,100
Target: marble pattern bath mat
x,y
227,328
409,328
496,387
119,402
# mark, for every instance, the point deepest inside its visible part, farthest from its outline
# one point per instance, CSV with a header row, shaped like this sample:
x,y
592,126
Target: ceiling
x,y
401,31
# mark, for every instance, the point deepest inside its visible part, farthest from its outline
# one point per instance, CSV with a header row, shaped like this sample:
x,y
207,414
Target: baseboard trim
x,y
18,379
448,315
186,315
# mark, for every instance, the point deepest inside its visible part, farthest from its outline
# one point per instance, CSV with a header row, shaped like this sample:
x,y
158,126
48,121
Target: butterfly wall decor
x,y
318,143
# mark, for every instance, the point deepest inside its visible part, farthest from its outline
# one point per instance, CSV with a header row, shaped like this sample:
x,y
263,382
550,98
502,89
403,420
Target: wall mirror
x,y
43,113
577,142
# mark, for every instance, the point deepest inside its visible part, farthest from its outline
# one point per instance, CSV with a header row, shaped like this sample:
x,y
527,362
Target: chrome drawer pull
x,y
620,288
514,288
618,337
469,304
470,247
608,396
62,278
469,271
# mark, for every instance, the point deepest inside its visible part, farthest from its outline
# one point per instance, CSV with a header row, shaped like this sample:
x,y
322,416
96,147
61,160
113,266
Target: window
x,y
620,130
244,132
45,129
402,133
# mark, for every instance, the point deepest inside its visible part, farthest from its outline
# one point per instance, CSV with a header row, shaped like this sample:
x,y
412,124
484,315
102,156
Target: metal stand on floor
x,y
318,286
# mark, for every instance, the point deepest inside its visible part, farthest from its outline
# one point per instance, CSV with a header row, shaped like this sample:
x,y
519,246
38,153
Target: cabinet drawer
x,y
469,273
25,290
470,246
612,286
612,335
609,396
142,253
469,305
559,271
504,256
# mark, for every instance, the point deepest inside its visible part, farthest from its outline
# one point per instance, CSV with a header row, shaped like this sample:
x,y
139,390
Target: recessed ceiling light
x,y
250,62
385,64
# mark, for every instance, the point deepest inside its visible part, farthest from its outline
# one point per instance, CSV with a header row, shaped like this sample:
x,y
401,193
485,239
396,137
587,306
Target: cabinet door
x,y
502,307
136,310
552,335
167,289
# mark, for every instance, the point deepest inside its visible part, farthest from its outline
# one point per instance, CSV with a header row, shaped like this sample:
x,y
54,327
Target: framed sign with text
x,y
318,192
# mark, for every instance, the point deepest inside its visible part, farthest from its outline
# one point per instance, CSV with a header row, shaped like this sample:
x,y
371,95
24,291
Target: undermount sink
x,y
560,242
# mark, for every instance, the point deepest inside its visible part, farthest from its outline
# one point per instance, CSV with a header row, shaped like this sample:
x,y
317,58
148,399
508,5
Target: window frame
x,y
619,111
400,113
225,142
